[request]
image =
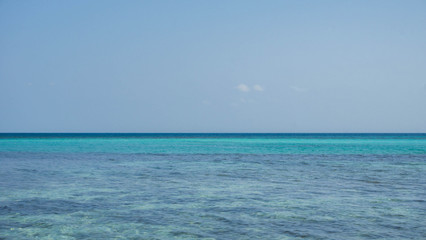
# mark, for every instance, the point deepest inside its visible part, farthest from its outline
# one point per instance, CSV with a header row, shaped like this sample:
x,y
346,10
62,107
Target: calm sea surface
x,y
212,186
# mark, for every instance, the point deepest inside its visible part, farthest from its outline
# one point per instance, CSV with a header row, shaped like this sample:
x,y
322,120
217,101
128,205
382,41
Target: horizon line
x,y
212,132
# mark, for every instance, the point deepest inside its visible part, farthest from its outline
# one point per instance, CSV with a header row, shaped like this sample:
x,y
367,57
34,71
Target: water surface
x,y
212,186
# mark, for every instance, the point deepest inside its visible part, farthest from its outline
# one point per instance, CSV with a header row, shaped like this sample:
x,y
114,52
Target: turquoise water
x,y
212,186
216,143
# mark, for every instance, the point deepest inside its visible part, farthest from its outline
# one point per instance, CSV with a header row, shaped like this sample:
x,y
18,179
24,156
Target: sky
x,y
213,66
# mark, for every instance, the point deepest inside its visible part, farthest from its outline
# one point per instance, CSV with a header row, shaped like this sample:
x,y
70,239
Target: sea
x,y
212,186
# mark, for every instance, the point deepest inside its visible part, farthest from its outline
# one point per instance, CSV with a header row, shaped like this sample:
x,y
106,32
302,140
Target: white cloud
x,y
243,88
258,88
298,89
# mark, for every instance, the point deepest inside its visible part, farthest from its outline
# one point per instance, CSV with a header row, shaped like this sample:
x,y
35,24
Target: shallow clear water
x,y
220,186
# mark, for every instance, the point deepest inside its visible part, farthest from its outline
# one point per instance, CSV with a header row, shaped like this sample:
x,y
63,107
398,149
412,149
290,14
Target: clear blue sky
x,y
213,66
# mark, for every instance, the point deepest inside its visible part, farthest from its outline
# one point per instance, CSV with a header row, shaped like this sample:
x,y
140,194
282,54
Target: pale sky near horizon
x,y
213,66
